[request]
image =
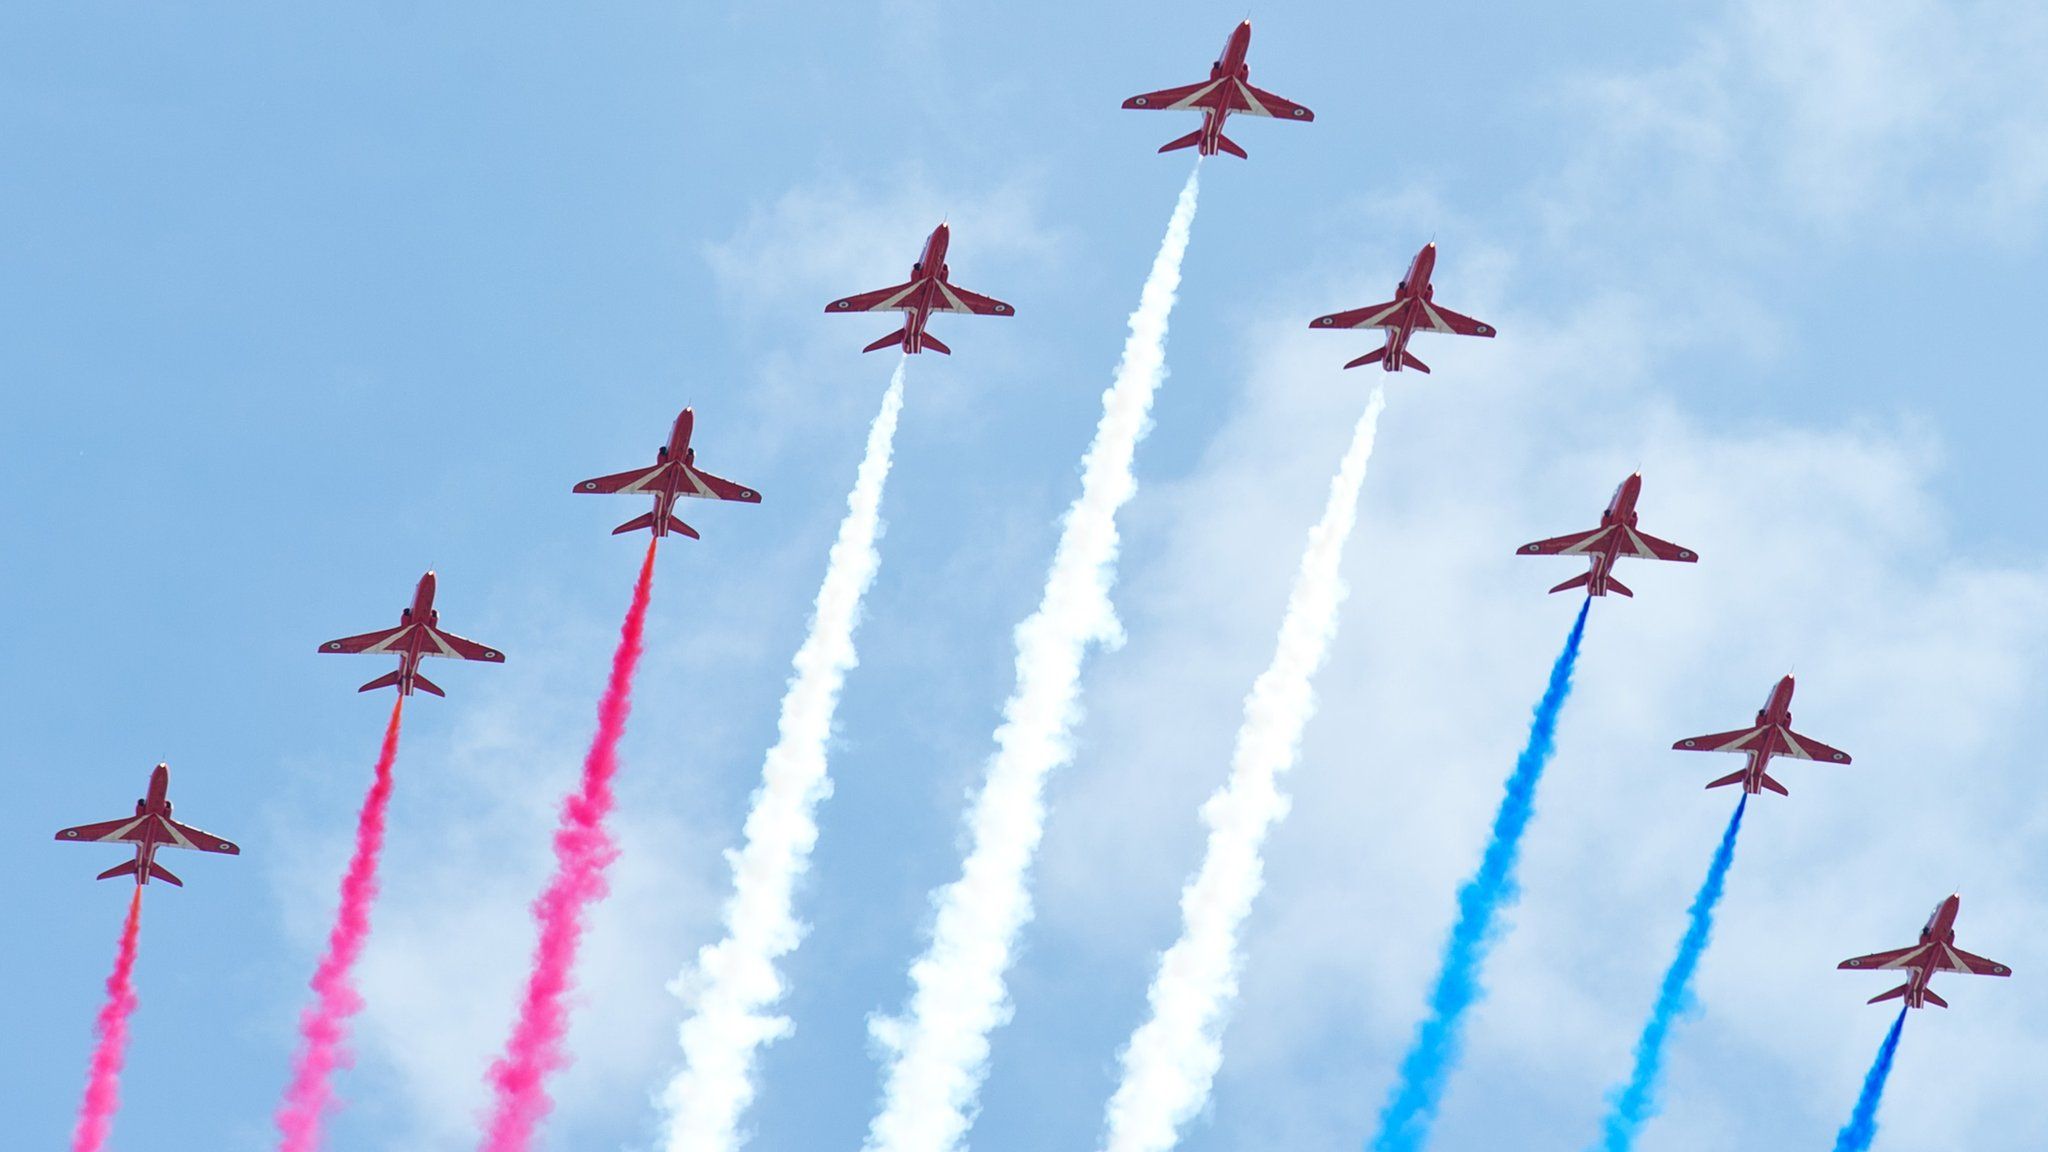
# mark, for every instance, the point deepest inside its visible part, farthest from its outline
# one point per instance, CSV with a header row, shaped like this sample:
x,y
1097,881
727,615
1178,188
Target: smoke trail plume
x,y
940,1052
1635,1102
324,1025
583,850
1411,1107
1172,1058
103,1074
1861,1129
735,980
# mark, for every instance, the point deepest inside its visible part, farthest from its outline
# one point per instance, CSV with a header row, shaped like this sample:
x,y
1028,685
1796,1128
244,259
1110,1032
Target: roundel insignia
x,y
70,835
1998,969
1002,307
1141,101
226,847
1684,554
1485,331
334,645
839,304
589,484
1528,547
1839,756
490,655
1855,963
747,494
1301,111
1327,321
1690,743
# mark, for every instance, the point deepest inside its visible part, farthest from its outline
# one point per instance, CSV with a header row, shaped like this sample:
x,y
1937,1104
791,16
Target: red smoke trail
x,y
103,1079
324,1024
583,849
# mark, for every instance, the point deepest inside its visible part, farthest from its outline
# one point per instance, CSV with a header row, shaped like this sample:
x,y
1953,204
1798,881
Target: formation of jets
x,y
674,476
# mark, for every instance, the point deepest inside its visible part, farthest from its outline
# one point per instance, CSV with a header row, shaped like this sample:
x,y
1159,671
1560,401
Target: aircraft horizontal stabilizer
x,y
1614,585
1409,361
932,342
1228,145
1372,357
124,868
1187,141
1937,1001
1894,994
889,341
1579,581
425,685
1731,778
388,680
1773,785
159,872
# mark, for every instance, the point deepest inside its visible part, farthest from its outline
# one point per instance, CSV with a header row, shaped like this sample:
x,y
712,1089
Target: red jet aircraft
x,y
1772,736
149,829
927,291
1936,952
417,636
674,475
1225,91
1412,310
1615,538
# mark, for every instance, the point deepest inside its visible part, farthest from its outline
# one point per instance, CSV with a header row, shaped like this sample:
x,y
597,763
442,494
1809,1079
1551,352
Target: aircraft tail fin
x,y
1731,778
1372,357
889,341
1579,581
1614,585
388,680
159,872
1894,994
1228,145
932,342
124,868
681,529
425,685
1770,782
1408,360
636,524
1931,998
1187,141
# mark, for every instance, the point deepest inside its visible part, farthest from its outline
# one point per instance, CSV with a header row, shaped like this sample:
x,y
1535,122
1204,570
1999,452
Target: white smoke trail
x,y
734,982
1172,1058
941,1051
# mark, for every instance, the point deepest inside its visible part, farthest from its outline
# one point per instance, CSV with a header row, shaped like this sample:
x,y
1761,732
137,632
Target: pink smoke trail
x,y
103,1076
583,849
324,1024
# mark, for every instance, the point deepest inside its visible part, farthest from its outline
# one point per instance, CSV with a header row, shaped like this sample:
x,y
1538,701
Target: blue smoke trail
x,y
1636,1101
1861,1129
1411,1108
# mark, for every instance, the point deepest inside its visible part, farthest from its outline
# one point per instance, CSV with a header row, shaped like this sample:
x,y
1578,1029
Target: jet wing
x,y
1259,102
628,482
1374,316
1896,958
1185,96
186,836
128,828
1975,965
1736,741
1807,748
712,487
368,641
1573,545
449,644
1444,320
1647,547
880,300
957,299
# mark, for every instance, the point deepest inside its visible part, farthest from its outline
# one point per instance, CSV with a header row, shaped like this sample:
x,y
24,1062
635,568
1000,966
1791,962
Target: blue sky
x,y
295,305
